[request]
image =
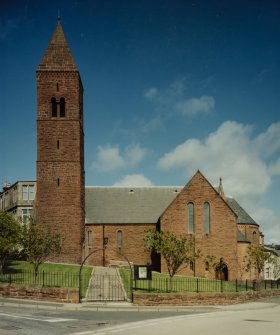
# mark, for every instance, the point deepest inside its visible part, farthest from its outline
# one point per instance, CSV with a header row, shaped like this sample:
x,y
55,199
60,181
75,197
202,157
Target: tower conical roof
x,y
58,55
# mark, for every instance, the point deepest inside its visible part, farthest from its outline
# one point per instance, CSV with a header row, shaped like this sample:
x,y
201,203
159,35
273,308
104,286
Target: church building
x,y
87,216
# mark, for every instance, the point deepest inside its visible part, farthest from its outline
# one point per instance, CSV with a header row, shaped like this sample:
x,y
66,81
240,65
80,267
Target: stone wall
x,y
60,160
65,295
196,299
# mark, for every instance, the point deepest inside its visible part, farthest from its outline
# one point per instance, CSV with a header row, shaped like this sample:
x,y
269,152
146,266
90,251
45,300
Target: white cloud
x,y
229,152
151,93
268,143
111,159
173,99
155,123
134,154
274,168
108,159
133,180
195,106
269,224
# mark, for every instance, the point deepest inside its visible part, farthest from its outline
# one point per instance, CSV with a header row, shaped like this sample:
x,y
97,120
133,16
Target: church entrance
x,y
222,271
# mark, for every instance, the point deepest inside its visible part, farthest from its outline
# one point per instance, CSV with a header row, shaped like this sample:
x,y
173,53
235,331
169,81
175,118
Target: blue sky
x,y
170,87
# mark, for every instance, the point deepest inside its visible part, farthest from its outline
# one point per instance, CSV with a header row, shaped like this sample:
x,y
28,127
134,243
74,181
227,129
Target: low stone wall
x,y
66,295
196,299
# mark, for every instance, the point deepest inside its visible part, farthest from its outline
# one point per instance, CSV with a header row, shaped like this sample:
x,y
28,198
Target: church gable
x,y
197,202
200,213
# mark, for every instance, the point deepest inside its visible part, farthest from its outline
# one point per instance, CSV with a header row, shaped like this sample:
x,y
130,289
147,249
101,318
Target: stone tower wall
x,y
60,161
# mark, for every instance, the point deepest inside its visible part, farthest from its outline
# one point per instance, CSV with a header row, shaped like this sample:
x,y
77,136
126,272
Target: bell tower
x,y
60,197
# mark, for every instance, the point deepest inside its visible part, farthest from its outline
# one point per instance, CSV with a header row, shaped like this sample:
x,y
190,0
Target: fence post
x,y
221,286
43,278
197,289
265,284
236,285
246,285
10,278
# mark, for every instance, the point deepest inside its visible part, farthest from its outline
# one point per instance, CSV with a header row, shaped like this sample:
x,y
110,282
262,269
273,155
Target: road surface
x,y
22,318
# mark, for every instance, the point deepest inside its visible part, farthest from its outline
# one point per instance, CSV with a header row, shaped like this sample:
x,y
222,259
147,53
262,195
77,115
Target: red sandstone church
x,y
85,216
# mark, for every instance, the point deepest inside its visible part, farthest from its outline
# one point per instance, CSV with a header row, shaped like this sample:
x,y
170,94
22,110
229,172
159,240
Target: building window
x,y
190,218
26,213
54,107
120,239
62,107
254,236
28,192
90,239
206,266
206,218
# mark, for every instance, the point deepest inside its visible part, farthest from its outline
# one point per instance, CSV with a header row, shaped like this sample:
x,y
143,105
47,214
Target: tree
x,y
38,244
9,237
257,258
175,250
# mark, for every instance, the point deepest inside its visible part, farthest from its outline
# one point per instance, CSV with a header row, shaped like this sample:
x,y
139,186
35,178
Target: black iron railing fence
x,y
157,284
43,278
48,279
200,285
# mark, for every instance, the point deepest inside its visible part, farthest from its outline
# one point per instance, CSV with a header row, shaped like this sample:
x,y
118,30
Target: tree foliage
x,y
9,237
38,244
257,258
175,250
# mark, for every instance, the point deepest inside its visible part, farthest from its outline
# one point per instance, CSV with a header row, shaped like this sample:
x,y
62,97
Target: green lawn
x,y
50,275
161,283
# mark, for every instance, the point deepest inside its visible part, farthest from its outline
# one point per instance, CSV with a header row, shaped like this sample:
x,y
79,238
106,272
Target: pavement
x,y
105,284
129,307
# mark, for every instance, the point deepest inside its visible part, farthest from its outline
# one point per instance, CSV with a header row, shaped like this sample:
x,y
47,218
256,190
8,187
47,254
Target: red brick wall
x,y
66,295
60,161
133,243
220,242
204,299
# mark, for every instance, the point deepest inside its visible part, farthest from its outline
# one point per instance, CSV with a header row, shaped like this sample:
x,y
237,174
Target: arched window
x,y
90,239
206,266
120,240
190,215
62,107
54,107
206,218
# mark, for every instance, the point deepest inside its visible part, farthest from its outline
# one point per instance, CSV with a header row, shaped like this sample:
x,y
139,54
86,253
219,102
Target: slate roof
x,y
127,205
124,205
242,216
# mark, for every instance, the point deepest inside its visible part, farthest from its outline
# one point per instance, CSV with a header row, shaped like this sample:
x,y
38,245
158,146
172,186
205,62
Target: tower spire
x,y
221,189
58,56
